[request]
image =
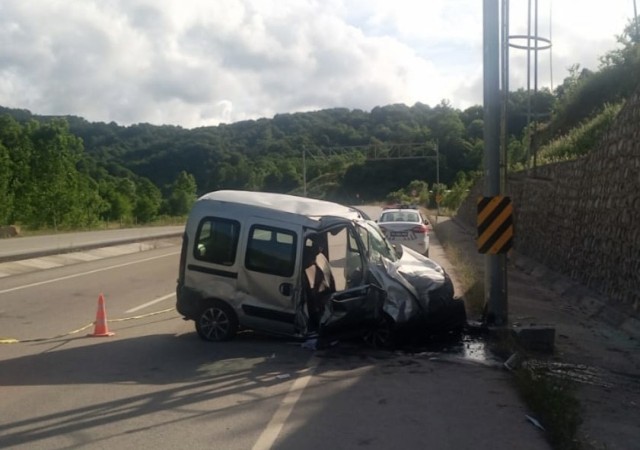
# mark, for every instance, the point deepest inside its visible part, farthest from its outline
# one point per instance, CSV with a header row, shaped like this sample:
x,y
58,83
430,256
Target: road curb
x,y
83,247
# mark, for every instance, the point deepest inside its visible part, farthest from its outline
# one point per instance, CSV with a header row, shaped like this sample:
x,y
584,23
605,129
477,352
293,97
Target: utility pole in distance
x,y
304,170
437,179
495,278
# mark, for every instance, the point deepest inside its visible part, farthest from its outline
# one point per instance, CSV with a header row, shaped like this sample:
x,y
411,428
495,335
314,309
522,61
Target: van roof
x,y
292,204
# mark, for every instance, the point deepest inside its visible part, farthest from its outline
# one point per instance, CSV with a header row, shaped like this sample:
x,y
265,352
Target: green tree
x,y
628,51
475,130
56,194
126,199
417,189
17,143
6,194
147,202
454,197
183,194
398,196
117,205
446,124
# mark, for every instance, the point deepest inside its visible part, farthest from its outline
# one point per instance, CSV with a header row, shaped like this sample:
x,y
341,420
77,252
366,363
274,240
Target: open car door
x,y
353,311
354,303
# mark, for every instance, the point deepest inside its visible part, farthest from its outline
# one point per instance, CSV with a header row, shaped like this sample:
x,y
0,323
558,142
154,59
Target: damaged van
x,y
304,267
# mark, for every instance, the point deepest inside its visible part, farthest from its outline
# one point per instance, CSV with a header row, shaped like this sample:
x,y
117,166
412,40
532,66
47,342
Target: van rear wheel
x,y
217,322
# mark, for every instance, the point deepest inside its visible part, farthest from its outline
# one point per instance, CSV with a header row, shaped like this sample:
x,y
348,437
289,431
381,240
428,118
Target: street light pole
x,y
635,16
304,170
437,181
495,279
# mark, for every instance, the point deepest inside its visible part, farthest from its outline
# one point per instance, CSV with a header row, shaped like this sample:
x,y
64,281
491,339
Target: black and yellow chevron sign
x,y
495,224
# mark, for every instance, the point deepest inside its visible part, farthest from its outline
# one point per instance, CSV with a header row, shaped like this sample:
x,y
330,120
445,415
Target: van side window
x,y
217,241
271,250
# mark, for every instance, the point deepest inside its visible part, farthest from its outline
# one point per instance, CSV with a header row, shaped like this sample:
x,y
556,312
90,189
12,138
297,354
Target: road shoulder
x,y
592,347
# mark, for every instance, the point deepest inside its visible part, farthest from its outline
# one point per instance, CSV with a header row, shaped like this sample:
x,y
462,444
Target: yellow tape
x,y
16,341
142,316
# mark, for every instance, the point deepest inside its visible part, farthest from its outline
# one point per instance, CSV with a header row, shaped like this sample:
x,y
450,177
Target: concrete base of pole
x,y
539,338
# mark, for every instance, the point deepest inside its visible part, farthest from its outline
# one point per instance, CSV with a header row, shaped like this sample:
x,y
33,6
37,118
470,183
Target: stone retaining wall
x,y
582,217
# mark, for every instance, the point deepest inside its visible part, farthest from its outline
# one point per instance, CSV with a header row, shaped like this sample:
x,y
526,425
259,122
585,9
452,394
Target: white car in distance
x,y
406,226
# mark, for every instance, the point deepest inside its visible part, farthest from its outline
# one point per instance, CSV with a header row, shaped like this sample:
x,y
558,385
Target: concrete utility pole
x,y
495,279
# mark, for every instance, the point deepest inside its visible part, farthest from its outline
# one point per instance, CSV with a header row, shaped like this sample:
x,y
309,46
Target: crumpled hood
x,y
408,282
423,273
400,300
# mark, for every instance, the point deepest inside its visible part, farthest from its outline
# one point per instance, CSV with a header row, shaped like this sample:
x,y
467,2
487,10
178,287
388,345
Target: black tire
x,y
382,335
217,322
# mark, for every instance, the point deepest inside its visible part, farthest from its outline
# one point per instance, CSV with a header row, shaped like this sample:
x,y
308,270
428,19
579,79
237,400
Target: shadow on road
x,y
356,395
154,359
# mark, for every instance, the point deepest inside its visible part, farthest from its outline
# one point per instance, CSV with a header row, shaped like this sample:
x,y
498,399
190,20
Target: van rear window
x,y
271,250
217,241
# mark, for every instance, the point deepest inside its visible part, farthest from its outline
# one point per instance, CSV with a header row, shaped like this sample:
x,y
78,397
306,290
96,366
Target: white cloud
x,y
201,62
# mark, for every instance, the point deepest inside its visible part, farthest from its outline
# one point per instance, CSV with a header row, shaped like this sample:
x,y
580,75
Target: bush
x,y
580,140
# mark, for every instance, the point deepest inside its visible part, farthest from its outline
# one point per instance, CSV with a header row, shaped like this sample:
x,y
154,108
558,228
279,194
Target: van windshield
x,y
377,245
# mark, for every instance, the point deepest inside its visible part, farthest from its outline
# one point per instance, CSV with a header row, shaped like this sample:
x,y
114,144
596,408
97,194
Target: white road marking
x,y
152,302
76,275
274,427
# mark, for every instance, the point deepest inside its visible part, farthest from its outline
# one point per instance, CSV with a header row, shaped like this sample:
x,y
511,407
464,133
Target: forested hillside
x,y
266,154
123,164
66,172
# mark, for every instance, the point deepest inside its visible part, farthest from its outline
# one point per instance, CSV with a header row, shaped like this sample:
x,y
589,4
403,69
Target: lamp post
x,y
437,181
635,16
304,170
495,279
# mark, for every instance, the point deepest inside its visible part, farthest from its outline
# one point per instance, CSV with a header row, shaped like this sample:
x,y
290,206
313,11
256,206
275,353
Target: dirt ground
x,y
590,347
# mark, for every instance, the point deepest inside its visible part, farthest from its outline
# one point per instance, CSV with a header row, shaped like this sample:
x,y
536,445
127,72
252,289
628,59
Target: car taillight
x,y
420,229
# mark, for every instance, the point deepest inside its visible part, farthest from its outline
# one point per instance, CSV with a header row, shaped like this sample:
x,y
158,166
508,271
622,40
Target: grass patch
x,y
551,399
581,139
554,403
466,273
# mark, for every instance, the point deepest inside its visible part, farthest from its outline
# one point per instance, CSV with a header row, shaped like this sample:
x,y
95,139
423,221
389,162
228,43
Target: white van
x,y
297,266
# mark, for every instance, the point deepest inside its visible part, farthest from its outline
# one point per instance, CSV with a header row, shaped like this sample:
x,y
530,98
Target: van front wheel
x,y
382,334
217,322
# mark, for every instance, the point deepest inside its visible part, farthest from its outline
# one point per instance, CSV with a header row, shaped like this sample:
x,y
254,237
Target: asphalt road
x,y
155,384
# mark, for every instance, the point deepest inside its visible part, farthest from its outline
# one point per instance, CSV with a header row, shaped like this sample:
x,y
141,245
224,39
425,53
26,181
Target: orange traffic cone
x,y
101,329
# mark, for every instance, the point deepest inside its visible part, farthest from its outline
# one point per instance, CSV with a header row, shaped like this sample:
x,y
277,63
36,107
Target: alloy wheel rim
x,y
215,323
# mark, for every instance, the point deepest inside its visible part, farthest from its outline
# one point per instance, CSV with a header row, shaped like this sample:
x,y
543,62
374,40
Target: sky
x,y
197,63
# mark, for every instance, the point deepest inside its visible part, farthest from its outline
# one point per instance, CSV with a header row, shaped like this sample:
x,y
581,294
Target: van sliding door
x,y
270,273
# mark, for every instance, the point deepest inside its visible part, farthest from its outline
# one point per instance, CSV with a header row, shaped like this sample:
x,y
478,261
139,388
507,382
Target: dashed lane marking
x,y
149,303
275,425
